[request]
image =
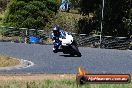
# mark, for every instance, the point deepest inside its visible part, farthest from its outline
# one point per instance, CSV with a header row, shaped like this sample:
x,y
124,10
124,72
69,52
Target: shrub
x,y
29,13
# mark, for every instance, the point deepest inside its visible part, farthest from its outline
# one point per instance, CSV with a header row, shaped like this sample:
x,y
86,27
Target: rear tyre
x,y
75,51
79,54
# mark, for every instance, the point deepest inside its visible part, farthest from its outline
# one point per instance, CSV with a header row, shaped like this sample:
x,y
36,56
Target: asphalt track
x,y
45,61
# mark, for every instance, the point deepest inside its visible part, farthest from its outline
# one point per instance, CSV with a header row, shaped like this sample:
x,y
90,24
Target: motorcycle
x,y
67,45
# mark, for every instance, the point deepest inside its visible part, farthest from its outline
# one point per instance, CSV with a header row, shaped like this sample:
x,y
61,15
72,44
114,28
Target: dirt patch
x,y
6,61
37,77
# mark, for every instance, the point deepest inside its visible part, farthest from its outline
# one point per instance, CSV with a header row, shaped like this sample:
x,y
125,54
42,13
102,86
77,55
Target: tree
x,y
87,6
30,13
114,13
74,3
87,24
117,15
3,4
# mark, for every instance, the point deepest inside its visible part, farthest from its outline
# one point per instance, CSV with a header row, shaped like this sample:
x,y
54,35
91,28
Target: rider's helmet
x,y
56,30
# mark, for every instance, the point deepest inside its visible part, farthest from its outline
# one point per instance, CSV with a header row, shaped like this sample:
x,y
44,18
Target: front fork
x,y
56,46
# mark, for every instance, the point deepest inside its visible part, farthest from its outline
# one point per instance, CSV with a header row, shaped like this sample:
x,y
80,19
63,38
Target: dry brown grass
x,y
8,61
36,77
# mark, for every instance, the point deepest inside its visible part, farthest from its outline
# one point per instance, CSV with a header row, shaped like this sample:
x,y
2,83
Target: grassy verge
x,y
64,83
8,61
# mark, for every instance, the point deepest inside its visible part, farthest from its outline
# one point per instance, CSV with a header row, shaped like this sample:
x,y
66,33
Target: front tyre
x,y
55,51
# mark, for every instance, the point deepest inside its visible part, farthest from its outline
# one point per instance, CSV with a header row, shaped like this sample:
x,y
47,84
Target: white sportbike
x,y
67,45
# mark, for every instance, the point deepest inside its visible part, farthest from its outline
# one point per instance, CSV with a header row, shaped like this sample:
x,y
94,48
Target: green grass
x,y
57,84
1,30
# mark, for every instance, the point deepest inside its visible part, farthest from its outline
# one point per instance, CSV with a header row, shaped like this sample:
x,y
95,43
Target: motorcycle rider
x,y
61,44
56,34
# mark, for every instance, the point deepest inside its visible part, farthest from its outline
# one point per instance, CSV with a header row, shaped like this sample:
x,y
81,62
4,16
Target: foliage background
x,y
29,13
117,16
43,14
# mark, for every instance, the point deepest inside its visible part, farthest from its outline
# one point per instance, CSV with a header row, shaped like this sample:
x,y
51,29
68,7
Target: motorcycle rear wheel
x,y
75,51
